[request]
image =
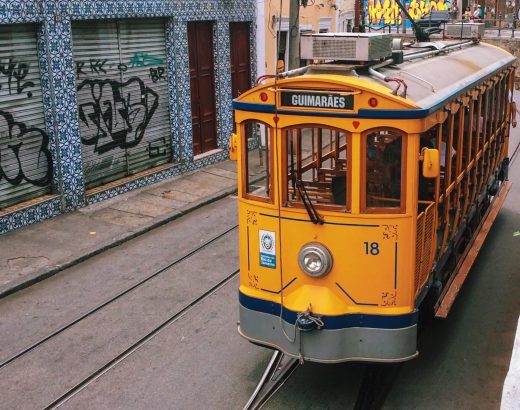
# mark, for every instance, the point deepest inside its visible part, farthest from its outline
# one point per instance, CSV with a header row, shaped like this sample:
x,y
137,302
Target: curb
x,y
43,274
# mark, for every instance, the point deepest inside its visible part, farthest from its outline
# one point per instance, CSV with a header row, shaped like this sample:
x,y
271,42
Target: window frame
x,y
363,171
244,163
286,203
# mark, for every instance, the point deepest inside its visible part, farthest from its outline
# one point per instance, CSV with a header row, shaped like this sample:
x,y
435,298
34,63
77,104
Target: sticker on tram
x,y
317,100
267,249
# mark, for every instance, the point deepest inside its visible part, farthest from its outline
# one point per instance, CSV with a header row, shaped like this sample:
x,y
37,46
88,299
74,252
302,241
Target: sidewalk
x,y
36,252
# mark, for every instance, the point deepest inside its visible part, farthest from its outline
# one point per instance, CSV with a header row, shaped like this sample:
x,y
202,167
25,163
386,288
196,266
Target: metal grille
x,y
380,47
424,249
25,159
428,240
123,99
419,249
330,48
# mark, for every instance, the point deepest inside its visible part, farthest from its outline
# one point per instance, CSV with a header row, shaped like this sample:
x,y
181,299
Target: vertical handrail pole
x,y
514,25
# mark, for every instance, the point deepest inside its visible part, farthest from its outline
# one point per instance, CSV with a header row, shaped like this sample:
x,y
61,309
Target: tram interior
x,y
316,165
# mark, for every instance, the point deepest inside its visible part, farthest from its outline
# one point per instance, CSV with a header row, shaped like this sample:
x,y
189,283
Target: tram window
x,y
458,128
258,162
447,152
316,166
383,170
475,125
466,139
486,124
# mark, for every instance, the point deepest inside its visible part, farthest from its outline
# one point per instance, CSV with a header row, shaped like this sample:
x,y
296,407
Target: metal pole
x,y
294,34
356,16
514,24
517,9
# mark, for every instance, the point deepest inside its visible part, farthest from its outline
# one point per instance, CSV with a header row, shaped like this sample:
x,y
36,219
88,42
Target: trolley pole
x,y
294,34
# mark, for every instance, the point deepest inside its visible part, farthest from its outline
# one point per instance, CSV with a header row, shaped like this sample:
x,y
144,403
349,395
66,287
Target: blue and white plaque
x,y
267,249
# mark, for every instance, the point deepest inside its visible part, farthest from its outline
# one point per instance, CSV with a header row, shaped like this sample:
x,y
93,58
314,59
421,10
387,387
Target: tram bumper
x,y
353,343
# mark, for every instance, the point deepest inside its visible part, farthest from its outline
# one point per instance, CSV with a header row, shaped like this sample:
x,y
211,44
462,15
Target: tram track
x,y
376,384
138,344
116,297
278,371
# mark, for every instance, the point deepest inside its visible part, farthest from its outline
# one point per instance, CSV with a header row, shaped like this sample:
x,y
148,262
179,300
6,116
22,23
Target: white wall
x,y
260,37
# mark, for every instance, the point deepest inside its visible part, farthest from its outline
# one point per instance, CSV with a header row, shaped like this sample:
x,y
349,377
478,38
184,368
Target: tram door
x,y
202,81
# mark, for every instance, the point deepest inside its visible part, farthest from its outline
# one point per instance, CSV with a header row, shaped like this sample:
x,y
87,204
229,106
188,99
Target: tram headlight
x,y
315,260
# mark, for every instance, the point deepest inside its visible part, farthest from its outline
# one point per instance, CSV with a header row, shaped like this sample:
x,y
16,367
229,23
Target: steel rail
x,y
114,298
142,341
376,384
274,377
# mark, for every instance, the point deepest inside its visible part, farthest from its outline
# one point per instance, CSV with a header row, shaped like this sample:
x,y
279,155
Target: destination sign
x,y
317,100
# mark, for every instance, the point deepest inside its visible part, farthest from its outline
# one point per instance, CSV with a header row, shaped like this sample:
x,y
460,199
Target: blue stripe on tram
x,y
333,322
362,113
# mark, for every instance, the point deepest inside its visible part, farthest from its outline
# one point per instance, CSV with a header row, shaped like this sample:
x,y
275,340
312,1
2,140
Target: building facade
x,y
99,97
318,16
346,15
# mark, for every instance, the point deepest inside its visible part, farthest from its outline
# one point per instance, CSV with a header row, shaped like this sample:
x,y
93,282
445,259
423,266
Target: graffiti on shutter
x,y
120,117
123,105
25,158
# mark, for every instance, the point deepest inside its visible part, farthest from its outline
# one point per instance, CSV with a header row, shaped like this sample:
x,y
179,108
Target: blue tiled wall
x,y
54,18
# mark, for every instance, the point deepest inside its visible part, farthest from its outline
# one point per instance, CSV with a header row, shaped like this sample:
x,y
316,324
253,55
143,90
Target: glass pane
x,y
258,158
383,169
317,165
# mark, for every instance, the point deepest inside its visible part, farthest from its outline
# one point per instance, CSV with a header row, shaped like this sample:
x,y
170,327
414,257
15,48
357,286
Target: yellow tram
x,y
362,185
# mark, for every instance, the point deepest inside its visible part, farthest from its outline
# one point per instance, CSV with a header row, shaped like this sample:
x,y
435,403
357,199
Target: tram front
x,y
326,211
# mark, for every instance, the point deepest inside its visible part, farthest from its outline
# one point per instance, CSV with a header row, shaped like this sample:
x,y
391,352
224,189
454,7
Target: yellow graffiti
x,y
388,12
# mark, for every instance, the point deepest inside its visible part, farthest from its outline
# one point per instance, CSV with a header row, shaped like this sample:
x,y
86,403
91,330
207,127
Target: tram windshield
x,y
317,166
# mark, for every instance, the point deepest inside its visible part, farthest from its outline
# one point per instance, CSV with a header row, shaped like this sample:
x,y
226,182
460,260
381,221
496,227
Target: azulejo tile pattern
x,y
57,70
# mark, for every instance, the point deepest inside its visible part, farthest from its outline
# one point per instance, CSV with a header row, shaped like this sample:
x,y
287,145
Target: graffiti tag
x,y
142,59
16,73
97,66
157,74
157,147
24,153
119,112
382,12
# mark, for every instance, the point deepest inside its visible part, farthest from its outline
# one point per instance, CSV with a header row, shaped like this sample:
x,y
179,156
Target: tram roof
x,y
432,81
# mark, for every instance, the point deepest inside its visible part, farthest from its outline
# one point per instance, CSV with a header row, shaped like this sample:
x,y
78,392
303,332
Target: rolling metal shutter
x,y
25,159
123,99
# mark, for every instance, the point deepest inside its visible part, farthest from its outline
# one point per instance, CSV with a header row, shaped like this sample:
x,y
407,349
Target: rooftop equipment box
x,y
346,46
465,30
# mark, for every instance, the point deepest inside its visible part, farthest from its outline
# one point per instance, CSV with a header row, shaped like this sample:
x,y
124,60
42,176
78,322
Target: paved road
x,y
200,362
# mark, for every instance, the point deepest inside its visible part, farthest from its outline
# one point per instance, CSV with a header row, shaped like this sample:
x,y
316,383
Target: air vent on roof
x,y
346,46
